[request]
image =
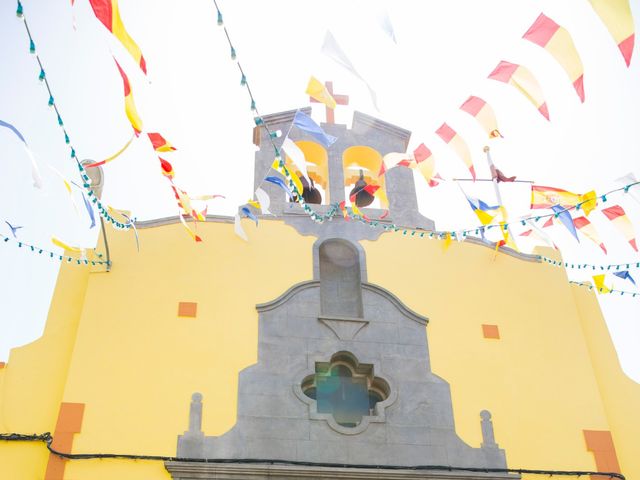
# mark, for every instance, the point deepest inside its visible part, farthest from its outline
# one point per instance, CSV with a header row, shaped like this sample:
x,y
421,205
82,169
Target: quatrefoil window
x,y
345,389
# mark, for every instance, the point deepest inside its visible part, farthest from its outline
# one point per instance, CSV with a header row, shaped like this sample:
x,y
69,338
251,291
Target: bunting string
x,y
102,210
54,255
259,121
589,266
602,290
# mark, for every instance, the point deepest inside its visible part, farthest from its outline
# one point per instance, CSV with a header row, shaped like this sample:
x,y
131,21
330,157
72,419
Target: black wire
x,y
48,439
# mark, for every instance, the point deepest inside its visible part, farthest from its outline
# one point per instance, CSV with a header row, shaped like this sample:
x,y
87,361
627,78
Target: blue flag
x,y
247,213
625,275
278,181
14,130
565,218
304,122
87,205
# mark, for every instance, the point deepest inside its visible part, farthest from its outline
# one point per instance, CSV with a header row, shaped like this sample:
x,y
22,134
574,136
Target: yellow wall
x,y
135,364
32,383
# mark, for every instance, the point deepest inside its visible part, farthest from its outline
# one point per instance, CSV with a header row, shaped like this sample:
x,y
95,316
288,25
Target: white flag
x,y
237,227
264,201
628,179
296,155
331,49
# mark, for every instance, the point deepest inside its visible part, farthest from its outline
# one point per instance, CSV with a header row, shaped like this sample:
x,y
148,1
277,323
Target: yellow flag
x,y
447,241
59,243
590,202
600,286
317,91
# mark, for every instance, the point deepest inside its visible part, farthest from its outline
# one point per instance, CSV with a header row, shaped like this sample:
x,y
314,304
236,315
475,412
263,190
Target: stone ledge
x,y
264,471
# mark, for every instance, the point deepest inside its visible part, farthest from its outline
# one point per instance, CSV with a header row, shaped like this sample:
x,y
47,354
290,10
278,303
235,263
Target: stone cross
x,y
340,100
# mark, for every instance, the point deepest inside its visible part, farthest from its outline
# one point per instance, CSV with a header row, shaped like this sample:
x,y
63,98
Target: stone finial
x,y
195,413
488,439
96,175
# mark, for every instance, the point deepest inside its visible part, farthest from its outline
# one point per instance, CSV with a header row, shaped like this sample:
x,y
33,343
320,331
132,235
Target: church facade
x,y
319,350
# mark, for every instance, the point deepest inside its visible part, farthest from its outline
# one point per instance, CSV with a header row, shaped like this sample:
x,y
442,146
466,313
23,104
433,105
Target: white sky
x,y
444,53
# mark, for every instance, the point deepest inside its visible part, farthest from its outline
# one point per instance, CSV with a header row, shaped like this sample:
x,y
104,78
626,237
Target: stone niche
x,y
343,385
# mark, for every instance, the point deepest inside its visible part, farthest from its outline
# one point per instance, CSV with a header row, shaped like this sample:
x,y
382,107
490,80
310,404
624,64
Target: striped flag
x,y
457,143
159,143
167,168
616,16
558,42
129,105
426,163
108,13
483,113
619,218
522,79
585,227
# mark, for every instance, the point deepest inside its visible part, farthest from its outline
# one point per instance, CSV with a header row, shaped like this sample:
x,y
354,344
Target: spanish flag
x,y
129,105
108,13
546,197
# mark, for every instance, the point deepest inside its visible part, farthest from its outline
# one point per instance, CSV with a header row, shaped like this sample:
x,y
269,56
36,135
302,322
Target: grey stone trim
x,y
266,471
290,293
362,123
299,287
296,218
279,118
527,257
402,308
158,222
345,328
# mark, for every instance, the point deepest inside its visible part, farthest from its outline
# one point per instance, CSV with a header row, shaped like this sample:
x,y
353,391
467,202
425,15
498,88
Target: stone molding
x,y
376,232
263,471
291,292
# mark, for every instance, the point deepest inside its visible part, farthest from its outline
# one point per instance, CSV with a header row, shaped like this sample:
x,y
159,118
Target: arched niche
x,y
369,161
340,279
317,166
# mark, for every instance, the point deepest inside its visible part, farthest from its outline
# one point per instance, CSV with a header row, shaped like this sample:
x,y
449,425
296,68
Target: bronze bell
x,y
363,198
310,193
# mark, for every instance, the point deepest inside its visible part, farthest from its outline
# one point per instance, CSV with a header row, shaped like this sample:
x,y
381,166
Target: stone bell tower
x,y
367,136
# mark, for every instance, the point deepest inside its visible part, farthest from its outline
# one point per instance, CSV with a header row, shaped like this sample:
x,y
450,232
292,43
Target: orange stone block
x,y
600,442
491,331
187,309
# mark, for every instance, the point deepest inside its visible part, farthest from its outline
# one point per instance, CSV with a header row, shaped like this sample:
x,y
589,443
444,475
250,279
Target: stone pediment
x,y
343,377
